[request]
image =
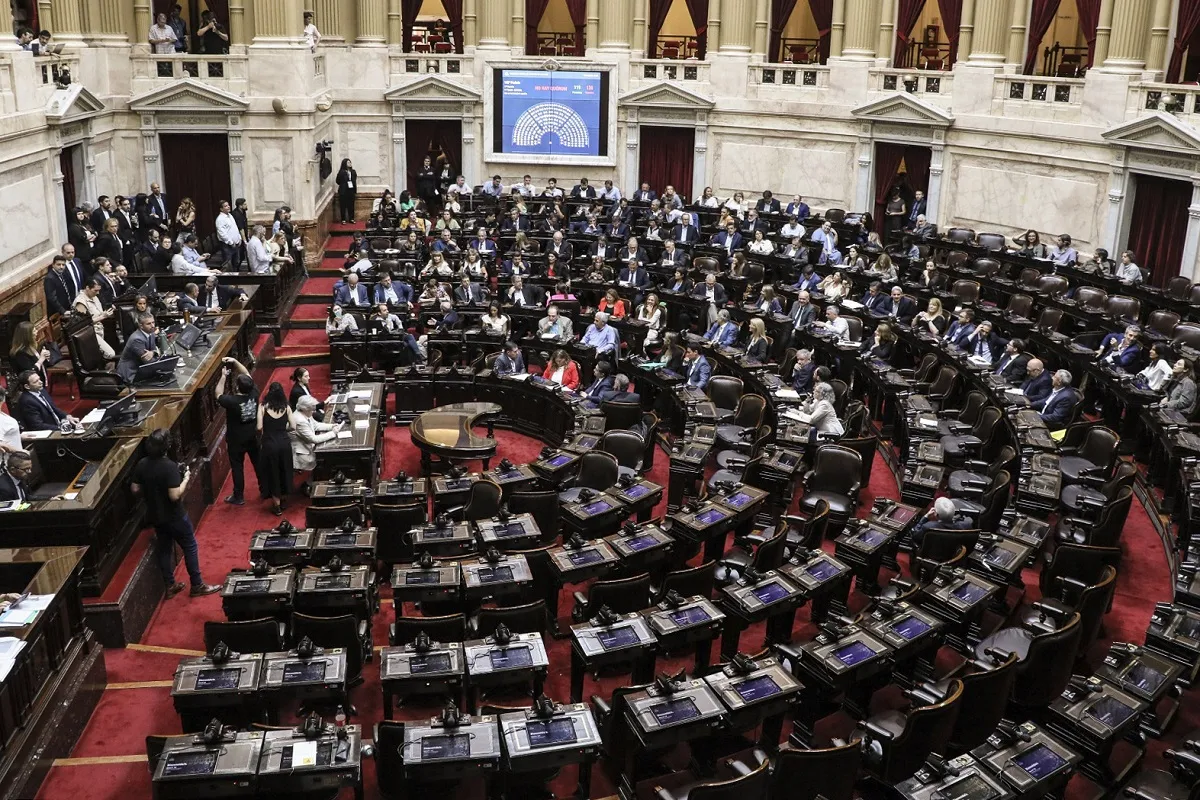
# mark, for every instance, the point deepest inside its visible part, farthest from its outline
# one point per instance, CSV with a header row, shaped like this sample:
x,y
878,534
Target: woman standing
x,y
275,448
347,181
108,243
427,182
300,382
307,433
185,219
895,212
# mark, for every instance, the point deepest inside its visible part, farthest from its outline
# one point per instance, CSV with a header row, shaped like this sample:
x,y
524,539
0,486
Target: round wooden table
x,y
445,432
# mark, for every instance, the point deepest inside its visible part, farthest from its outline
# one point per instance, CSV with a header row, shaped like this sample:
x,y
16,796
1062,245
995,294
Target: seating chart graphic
x,y
550,113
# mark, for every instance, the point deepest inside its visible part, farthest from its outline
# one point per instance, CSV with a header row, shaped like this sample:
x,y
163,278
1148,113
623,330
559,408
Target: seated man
x,y
983,345
874,300
834,323
924,229
1056,409
1037,385
1062,253
827,237
394,293
901,308
620,391
960,329
723,332
384,319
802,377
1013,363
555,327
352,294
942,515
601,335
696,367
728,240
13,476
510,362
189,300
602,381
140,348
36,410
1120,350
215,297
469,293
711,290
191,252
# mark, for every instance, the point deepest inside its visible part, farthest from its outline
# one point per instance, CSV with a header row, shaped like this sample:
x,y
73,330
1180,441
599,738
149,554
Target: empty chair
x,y
332,516
808,774
751,473
834,479
345,631
1083,564
1049,319
620,415
483,502
866,447
527,618
942,385
965,292
597,471
960,420
974,479
627,447
896,743
767,556
956,449
447,628
1095,456
545,508
1161,324
835,215
1019,306
622,596
991,241
1179,288
960,235
1121,307
687,582
1090,494
740,782
986,268
1051,285
806,534
1045,660
747,416
986,512
1091,299
252,636
735,458
986,688
1089,601
725,391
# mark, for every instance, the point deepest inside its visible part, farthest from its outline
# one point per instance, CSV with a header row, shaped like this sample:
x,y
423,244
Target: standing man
x,y
159,482
158,203
179,26
231,239
241,420
257,254
918,210
215,40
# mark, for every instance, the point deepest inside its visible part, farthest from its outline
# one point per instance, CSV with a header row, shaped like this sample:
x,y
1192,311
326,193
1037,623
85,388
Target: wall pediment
x,y
72,104
434,88
903,109
666,95
189,95
1156,131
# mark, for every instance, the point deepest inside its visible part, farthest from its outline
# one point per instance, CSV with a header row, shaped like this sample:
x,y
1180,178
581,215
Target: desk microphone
x,y
425,560
575,542
335,564
422,643
502,513
305,648
220,653
285,527
214,732
502,635
493,556
260,568
606,616
401,477
543,707
630,528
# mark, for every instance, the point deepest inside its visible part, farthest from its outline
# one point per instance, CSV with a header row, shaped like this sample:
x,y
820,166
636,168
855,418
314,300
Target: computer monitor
x,y
122,413
188,337
159,370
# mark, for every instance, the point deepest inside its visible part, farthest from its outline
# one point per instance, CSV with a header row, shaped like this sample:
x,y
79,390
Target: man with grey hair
x,y
601,335
802,377
1056,410
620,392
1121,349
942,515
722,332
257,254
307,433
140,348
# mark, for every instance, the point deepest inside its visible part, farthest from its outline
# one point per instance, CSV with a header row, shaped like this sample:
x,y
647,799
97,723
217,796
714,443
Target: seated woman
x,y
597,272
494,323
562,370
931,320
559,270
1030,244
680,283
820,414
882,345
931,278
655,231
767,302
386,205
437,267
405,203
1157,372
378,222
854,259
885,269
433,293
338,322
757,347
1181,389
613,305
524,245
708,199
761,245
834,287
669,351
561,293
473,266
447,222
652,313
737,265
411,246
874,244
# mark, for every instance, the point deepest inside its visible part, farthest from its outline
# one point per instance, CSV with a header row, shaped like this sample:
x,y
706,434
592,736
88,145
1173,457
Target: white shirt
x,y
311,36
456,189
1157,374
227,229
181,266
557,375
161,32
258,256
838,326
10,432
1129,273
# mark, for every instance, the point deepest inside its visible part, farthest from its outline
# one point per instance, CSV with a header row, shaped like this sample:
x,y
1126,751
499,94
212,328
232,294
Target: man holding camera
x,y
213,37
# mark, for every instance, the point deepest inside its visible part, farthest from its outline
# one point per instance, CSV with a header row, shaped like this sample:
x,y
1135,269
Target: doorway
x,y
1158,226
440,139
666,156
904,167
196,166
70,164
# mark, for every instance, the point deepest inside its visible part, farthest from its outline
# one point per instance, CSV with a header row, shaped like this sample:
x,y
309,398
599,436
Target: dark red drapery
x,y
916,166
197,166
409,9
161,7
822,11
781,12
66,165
654,22
667,157
887,162
907,14
951,11
578,11
1041,15
1186,26
534,11
1159,226
1089,20
454,11
698,11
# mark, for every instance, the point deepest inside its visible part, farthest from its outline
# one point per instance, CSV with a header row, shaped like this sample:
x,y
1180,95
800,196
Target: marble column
x,y
1118,180
862,186
641,31
762,30
989,42
60,202
1018,30
68,21
966,31
616,25
142,22
591,29
46,17
278,19
493,24
700,161
887,30
237,170
516,20
837,28
1130,34
1188,262
329,21
237,23
737,26
933,192
470,22
862,30
1103,32
1160,27
8,44
399,156
104,24
372,22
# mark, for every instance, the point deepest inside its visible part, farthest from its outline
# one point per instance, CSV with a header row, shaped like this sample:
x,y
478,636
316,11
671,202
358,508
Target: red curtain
x,y
434,138
578,12
1041,15
1186,26
887,162
66,166
781,12
667,157
658,15
1089,20
916,165
907,14
822,11
409,9
1159,226
698,11
534,11
454,10
197,166
951,11
161,7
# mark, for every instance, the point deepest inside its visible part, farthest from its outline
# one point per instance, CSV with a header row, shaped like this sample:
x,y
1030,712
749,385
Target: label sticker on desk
x,y
756,688
303,672
256,586
181,764
332,582
227,678
547,733
279,542
675,711
422,578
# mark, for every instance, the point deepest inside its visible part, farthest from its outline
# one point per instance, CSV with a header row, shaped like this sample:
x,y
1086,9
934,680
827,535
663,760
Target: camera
x,y
324,147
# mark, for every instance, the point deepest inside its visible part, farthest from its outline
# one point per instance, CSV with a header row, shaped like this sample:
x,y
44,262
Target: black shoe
x,y
174,589
204,588
234,500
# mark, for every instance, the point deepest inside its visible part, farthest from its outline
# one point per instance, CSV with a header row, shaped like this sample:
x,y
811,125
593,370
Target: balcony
x,y
1038,97
933,85
1182,102
809,76
686,72
226,72
435,63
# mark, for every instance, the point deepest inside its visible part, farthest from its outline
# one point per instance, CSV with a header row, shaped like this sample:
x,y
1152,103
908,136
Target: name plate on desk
x,y
742,499
815,572
573,565
204,683
188,767
407,670
769,595
767,689
517,531
660,719
279,549
249,596
352,547
413,489
694,620
433,751
451,538
413,582
626,638
483,578
533,743
323,674
349,586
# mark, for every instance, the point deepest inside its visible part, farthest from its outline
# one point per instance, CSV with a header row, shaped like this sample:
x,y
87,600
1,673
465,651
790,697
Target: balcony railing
x,y
227,72
678,47
800,51
51,68
1171,98
558,44
1039,89
812,76
415,63
669,69
912,81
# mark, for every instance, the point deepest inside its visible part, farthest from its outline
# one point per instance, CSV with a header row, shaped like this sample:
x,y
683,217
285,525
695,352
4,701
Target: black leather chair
x,y
389,763
345,631
332,516
807,533
974,479
597,471
483,502
767,556
896,744
1095,456
942,547
957,421
740,782
808,774
956,449
1089,601
1045,660
616,738
620,415
750,473
734,460
393,523
866,447
747,417
1158,784
448,628
545,508
95,380
1086,498
1098,527
1019,307
686,582
835,478
527,618
622,595
1083,564
725,391
986,688
251,636
627,447
985,512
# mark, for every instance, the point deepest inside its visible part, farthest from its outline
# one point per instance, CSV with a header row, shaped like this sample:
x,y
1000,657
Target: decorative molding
x,y
551,65
189,95
666,95
431,87
904,109
72,104
1156,131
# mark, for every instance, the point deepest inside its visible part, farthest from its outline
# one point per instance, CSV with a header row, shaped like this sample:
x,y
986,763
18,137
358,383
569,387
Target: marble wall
x,y
820,170
26,209
270,180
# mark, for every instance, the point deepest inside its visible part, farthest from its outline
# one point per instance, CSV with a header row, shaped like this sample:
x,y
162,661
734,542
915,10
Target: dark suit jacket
x,y
98,218
34,415
597,388
906,312
1058,411
225,296
624,256
878,303
584,191
471,294
620,397
1012,370
343,296
721,238
675,258
77,236
802,315
8,487
802,378
808,284
56,287
957,334
719,296
995,345
639,278
647,196
1036,390
685,234
529,295
564,251
509,366
765,206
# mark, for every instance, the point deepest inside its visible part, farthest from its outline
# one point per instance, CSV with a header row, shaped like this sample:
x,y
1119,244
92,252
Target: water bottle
x,y
339,719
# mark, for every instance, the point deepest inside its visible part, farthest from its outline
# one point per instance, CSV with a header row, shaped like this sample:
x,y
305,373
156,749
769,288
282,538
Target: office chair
x,y
597,471
527,618
545,509
686,582
483,502
1095,456
1045,659
627,447
808,774
251,636
986,688
448,628
332,516
834,478
621,595
896,743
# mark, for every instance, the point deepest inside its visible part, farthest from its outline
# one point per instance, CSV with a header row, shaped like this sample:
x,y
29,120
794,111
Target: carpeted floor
x,y
109,761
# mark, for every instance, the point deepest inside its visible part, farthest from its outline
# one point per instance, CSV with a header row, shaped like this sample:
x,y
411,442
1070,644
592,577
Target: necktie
x,y
20,489
46,402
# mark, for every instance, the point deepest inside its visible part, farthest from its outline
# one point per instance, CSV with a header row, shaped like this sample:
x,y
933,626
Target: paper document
x,y
18,617
344,434
362,408
361,423
359,393
787,394
95,415
304,754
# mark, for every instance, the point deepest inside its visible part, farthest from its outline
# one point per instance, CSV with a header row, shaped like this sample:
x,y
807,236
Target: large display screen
x,y
559,113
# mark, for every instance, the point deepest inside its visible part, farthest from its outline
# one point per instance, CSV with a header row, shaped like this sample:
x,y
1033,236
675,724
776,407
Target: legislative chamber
x,y
653,399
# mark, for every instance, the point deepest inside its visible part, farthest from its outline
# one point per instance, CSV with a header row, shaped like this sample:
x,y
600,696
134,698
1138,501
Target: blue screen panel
x,y
552,113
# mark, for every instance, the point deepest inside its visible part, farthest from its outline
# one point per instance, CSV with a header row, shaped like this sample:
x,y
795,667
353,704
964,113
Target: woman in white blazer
x,y
307,433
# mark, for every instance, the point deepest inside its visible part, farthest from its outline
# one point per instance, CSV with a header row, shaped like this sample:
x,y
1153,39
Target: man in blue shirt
x,y
827,237
1063,254
1120,350
495,188
696,368
600,335
510,362
723,332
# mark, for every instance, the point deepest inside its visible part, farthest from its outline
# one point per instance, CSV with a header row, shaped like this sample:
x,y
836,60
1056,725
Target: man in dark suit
x,y
685,232
753,224
469,293
78,270
14,475
916,211
900,308
802,376
482,244
728,239
561,248
723,332
768,204
140,348
672,256
983,344
58,286
620,391
696,368
634,276
103,272
158,203
924,229
943,515
102,212
875,300
36,410
510,362
632,252
602,381
1012,364
1037,385
808,281
216,297
960,329
602,248
1056,408
514,222
803,312
352,294
521,295
711,290
645,194
584,190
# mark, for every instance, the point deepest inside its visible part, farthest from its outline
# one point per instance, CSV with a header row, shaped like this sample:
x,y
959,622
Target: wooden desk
x,y
358,455
445,432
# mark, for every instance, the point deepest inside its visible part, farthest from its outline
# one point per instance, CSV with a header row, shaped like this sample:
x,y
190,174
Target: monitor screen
x,y
279,542
1110,711
1145,678
738,500
822,570
543,113
910,628
971,787
970,592
581,557
999,556
431,662
181,764
1189,627
636,491
1039,761
226,678
303,671
614,638
438,533
560,460
340,539
422,578
494,574
642,542
675,711
256,586
332,582
756,688
689,616
900,514
547,733
511,658
711,516
508,531
872,538
457,745
770,593
853,653
598,507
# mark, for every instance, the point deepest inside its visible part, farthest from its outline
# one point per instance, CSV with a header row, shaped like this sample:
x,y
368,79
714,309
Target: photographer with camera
x,y
213,38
